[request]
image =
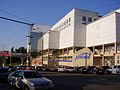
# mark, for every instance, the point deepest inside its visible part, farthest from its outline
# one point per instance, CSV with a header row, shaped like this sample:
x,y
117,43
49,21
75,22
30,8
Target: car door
x,y
13,78
20,79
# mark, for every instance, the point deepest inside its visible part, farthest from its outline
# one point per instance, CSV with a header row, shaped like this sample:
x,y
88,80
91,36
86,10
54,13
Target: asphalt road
x,y
68,81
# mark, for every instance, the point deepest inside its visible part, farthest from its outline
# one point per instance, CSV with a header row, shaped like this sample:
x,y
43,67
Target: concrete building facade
x,y
83,38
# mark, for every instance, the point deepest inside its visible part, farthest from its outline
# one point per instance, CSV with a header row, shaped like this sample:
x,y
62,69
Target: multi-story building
x,y
83,38
103,38
66,37
34,41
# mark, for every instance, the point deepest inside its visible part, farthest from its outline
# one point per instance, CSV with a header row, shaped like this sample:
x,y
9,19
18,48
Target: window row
x,y
64,24
89,19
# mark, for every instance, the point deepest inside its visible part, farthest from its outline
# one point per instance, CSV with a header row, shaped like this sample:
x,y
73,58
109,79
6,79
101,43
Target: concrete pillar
x,y
73,49
115,47
103,49
103,61
93,49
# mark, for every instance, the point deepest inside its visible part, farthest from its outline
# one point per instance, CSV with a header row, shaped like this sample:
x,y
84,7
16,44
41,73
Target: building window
x,y
117,57
69,19
118,62
84,23
89,19
83,18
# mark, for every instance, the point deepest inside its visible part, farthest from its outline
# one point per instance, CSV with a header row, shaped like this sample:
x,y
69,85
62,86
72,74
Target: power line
x,y
16,21
14,15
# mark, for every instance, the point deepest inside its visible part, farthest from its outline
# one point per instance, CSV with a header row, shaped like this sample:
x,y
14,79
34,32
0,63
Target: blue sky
x,y
46,12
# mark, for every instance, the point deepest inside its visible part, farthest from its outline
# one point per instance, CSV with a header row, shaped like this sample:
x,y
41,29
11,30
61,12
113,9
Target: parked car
x,y
52,68
113,70
40,68
70,69
90,69
83,70
98,70
62,69
29,80
4,72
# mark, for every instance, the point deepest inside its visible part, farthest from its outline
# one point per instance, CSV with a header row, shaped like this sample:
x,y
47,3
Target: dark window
x,y
84,23
89,19
32,75
69,19
83,18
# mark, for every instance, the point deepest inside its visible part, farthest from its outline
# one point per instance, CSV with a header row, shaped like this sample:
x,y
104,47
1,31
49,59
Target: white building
x,y
37,32
67,36
103,37
83,38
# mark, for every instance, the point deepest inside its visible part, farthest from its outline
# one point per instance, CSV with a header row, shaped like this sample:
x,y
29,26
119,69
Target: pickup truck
x,y
115,69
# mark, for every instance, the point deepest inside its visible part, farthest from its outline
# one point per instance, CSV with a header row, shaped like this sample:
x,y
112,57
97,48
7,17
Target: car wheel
x,y
26,87
11,83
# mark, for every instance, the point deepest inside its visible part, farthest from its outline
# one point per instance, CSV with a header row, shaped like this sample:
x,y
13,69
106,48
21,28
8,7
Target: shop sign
x,y
83,56
52,60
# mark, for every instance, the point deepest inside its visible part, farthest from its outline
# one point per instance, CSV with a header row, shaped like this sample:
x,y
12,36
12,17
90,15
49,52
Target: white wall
x,y
46,41
102,31
118,27
54,40
80,28
74,32
66,29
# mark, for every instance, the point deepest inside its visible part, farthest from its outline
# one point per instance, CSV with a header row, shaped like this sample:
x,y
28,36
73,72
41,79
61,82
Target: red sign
x,y
5,54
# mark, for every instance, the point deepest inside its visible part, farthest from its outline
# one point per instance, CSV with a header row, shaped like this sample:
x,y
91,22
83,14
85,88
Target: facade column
x,y
115,47
93,49
103,61
48,56
103,51
73,49
67,50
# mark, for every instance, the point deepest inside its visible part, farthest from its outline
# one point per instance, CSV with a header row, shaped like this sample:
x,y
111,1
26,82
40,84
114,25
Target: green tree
x,y
21,50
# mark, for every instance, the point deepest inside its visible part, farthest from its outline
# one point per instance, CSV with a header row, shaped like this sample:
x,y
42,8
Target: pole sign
x,y
52,60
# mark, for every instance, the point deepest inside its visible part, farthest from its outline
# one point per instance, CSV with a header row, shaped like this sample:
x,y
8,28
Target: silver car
x,y
29,80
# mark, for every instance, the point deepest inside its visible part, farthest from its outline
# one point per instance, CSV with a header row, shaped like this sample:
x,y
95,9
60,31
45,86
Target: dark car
x,y
90,69
98,70
4,72
82,70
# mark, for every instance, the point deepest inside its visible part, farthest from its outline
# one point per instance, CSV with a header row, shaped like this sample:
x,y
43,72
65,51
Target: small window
x,y
84,23
117,61
69,19
83,18
89,19
118,57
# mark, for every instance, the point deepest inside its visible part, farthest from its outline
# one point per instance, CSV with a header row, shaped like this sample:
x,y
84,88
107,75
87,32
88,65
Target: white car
x,y
71,69
115,69
29,80
62,69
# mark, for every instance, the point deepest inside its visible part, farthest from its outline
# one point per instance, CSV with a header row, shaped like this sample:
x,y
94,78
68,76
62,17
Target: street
x,y
69,81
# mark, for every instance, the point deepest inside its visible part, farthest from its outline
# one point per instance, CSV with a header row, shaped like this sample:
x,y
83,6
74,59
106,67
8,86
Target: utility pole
x,y
29,33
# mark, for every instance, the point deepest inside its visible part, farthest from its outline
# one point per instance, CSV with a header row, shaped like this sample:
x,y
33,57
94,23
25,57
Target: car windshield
x,y
32,75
